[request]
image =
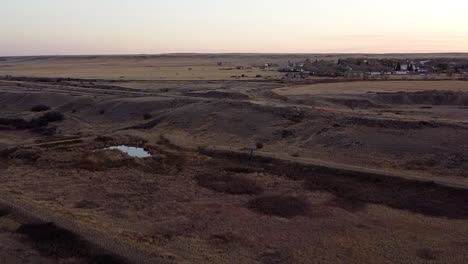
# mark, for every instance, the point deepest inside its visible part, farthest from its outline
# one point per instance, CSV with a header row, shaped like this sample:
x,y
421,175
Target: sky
x,y
71,27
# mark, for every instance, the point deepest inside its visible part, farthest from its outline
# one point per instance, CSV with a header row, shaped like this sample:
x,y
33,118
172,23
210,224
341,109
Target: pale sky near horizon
x,y
71,27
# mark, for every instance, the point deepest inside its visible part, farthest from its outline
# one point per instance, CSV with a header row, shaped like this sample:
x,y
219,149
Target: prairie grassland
x,y
370,86
131,68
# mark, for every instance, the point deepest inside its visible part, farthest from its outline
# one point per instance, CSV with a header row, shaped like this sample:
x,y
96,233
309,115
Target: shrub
x,y
40,108
4,212
42,121
356,190
46,131
103,139
427,254
284,206
147,116
51,117
230,184
5,153
13,122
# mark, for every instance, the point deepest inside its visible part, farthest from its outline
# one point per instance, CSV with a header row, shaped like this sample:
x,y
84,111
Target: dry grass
x,y
4,212
231,184
130,68
355,191
369,86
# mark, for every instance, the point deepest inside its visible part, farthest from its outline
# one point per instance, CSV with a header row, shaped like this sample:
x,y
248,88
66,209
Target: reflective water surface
x,y
133,151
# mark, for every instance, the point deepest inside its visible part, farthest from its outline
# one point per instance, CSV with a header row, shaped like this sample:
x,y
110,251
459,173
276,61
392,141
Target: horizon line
x,y
237,53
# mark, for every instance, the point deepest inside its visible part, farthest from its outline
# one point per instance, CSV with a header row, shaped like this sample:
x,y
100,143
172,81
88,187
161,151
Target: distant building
x,y
290,68
424,62
375,73
297,75
355,74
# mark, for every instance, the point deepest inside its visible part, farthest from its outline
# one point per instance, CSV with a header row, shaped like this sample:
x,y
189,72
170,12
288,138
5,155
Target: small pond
x,y
132,151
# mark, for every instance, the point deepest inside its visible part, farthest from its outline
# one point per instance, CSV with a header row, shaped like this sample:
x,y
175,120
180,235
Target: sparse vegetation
x,y
231,184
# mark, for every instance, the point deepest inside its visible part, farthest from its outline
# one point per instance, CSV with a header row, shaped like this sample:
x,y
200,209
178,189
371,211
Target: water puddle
x,y
132,151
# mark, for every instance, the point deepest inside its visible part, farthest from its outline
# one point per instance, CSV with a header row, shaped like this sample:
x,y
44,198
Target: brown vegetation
x,y
4,212
40,108
42,121
424,198
54,241
231,184
284,206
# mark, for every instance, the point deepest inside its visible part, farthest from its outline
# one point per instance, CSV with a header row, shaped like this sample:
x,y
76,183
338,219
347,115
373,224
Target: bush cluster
x,y
42,121
40,108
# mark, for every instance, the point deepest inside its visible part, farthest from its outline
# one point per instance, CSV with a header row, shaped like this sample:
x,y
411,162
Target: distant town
x,y
377,68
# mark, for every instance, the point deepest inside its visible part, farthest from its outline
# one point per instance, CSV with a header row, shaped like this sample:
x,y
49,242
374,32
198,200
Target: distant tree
x,y
443,66
398,67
